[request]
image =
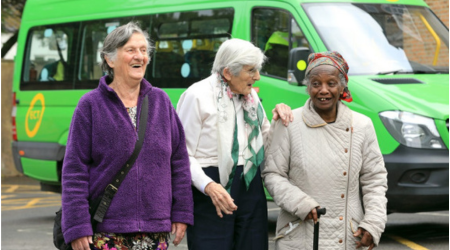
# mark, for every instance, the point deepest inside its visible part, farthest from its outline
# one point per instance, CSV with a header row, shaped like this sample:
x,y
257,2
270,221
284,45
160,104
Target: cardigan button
x,y
347,129
341,218
345,173
346,150
342,196
340,241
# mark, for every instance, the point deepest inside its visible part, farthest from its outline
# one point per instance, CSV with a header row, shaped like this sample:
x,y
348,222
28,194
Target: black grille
x,y
397,80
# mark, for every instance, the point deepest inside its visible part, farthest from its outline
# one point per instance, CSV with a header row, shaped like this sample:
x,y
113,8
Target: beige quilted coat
x,y
311,163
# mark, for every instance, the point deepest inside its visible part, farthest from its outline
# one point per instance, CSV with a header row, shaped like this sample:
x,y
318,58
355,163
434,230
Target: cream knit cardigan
x,y
338,166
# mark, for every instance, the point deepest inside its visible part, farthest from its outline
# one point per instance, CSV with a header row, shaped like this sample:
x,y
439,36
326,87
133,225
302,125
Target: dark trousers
x,y
245,229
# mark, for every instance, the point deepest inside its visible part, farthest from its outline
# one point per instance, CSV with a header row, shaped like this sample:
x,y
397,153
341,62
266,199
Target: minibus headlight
x,y
412,130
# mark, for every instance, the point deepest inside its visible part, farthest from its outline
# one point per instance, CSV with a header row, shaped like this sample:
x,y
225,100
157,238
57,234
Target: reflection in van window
x,y
186,44
185,47
275,32
94,32
47,63
389,38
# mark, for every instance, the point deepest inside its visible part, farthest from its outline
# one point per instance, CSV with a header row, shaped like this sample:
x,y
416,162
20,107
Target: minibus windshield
x,y
383,38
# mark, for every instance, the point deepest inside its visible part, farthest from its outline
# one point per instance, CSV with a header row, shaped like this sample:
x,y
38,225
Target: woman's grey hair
x,y
236,53
307,81
117,39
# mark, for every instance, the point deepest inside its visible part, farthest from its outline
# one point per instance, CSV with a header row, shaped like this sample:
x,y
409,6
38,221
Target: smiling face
x,y
242,83
325,89
131,60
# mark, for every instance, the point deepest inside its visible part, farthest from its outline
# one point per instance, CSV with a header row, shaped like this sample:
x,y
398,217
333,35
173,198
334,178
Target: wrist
x,y
207,187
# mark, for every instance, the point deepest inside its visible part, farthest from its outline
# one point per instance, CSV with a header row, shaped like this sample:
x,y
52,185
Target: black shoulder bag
x,y
98,206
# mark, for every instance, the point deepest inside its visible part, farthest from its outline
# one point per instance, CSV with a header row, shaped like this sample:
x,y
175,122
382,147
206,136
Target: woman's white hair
x,y
236,53
117,39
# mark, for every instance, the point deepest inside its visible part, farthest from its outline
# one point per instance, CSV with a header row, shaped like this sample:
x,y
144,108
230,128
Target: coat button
x,y
346,150
340,241
342,195
341,218
345,173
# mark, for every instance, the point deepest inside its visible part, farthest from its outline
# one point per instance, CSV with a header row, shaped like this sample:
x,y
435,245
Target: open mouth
x,y
136,66
324,99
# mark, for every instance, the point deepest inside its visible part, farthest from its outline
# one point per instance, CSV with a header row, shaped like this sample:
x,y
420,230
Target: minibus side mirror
x,y
298,58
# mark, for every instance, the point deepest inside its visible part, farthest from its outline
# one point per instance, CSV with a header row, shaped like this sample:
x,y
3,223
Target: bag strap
x,y
112,188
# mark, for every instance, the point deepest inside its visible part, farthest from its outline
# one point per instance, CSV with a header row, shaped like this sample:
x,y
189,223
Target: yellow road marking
x,y
408,243
7,196
32,202
56,204
12,189
26,200
19,188
12,201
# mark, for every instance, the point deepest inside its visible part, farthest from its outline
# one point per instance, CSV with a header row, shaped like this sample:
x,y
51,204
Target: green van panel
x,y
40,170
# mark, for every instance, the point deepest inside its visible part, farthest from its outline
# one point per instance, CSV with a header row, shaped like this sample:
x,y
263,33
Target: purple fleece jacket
x,y
157,190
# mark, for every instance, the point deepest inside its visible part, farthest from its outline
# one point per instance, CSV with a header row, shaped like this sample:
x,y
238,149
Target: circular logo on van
x,y
301,65
34,115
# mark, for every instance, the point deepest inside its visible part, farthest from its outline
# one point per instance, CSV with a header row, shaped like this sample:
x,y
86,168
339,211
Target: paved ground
x,y
28,213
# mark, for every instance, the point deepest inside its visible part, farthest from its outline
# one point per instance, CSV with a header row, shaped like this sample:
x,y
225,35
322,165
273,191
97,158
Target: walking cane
x,y
320,211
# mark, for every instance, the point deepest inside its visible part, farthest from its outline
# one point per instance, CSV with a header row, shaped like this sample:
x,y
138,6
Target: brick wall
x,y
419,43
440,8
7,168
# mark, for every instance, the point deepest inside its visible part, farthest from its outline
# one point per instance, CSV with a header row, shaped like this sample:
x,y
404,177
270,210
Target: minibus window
x,y
389,38
176,29
89,71
94,32
185,45
49,56
275,32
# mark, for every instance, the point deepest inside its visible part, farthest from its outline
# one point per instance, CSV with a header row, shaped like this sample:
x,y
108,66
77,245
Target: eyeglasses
x,y
252,72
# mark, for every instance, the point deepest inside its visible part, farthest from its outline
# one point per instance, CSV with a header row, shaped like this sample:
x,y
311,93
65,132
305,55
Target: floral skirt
x,y
131,241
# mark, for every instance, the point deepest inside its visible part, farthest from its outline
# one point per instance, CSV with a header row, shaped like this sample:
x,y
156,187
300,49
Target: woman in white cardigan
x,y
226,128
328,157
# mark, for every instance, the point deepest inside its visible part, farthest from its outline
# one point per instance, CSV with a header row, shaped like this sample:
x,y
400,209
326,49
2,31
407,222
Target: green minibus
x,y
397,51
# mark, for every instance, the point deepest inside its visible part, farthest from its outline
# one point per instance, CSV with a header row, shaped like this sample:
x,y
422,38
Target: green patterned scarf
x,y
228,144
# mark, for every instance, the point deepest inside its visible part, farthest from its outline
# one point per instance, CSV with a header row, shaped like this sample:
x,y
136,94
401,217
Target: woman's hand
x,y
284,112
312,215
82,243
366,239
220,198
179,229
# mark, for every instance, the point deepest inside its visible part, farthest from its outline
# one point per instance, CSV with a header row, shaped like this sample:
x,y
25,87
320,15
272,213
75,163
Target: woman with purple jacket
x,y
155,198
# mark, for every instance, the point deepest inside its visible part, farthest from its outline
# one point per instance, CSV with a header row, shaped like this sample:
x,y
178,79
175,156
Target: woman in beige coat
x,y
328,157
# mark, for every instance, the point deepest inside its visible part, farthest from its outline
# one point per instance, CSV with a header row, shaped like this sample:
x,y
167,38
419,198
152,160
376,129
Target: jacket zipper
x,y
348,183
138,117
135,130
138,205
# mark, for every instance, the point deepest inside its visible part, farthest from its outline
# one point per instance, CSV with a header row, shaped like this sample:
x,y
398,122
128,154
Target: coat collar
x,y
105,81
313,120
